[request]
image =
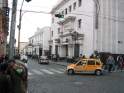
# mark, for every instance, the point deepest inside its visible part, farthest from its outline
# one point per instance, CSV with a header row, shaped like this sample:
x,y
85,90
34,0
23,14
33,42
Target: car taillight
x,y
41,59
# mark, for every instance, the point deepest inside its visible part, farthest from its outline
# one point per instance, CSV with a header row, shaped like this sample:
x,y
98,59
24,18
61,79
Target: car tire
x,y
98,72
70,71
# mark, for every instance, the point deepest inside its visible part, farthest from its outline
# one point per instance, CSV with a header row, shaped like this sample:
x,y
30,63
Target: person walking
x,y
58,58
120,61
80,57
5,80
67,58
110,62
24,60
18,76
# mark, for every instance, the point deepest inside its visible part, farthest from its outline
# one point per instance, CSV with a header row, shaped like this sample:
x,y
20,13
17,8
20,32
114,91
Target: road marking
x,y
61,69
37,72
49,72
29,73
56,71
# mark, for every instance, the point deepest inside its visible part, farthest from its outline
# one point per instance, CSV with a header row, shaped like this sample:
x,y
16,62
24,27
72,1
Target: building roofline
x,y
58,5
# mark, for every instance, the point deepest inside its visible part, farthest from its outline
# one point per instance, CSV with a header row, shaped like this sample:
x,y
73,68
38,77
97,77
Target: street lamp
x,y
75,37
19,26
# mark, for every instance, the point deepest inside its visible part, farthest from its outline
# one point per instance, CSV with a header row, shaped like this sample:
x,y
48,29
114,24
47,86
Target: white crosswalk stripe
x,y
44,71
61,69
37,72
47,71
56,71
29,73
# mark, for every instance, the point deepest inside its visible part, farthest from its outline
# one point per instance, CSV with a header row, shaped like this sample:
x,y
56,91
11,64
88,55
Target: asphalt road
x,y
52,78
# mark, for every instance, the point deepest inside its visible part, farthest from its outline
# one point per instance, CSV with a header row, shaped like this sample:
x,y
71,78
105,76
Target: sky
x,y
30,20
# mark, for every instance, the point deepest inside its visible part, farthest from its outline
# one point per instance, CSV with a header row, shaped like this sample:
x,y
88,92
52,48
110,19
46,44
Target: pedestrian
x,y
58,57
80,57
84,56
92,56
18,76
110,62
113,66
120,61
54,57
67,58
5,80
2,61
18,61
24,60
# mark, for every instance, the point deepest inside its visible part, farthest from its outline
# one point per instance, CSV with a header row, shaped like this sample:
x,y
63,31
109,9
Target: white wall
x,y
86,27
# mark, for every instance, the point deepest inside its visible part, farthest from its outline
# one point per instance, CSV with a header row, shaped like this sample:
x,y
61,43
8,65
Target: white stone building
x,y
38,43
79,16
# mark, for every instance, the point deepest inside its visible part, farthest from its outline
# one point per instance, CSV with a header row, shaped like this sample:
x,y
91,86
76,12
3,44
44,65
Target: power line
x,y
64,9
30,22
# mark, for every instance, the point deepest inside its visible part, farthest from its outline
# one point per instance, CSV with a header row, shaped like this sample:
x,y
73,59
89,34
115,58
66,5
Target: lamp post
x,y
19,26
75,37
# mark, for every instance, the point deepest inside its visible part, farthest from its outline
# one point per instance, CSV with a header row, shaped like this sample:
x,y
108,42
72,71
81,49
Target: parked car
x,y
87,66
43,59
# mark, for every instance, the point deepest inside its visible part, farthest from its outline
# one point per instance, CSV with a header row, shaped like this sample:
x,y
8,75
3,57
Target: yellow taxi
x,y
86,66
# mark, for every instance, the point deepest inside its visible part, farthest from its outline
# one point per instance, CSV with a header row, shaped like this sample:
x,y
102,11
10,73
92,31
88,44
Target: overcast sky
x,y
30,21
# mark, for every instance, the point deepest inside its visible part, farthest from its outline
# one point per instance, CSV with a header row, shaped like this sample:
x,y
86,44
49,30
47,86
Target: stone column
x,y
70,51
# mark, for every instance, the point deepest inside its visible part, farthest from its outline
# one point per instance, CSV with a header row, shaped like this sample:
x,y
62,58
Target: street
x,y
52,78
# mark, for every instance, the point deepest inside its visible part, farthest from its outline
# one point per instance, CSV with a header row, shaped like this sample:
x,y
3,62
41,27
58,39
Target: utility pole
x,y
12,29
19,26
96,27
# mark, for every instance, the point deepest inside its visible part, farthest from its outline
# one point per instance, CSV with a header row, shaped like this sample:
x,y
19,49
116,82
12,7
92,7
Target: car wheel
x,y
70,71
98,72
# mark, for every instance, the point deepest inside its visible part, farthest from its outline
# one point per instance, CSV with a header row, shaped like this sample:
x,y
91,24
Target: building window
x,y
79,23
62,12
52,20
79,2
66,11
52,33
70,8
58,30
74,5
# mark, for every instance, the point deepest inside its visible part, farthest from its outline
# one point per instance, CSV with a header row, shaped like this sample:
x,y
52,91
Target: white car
x,y
43,59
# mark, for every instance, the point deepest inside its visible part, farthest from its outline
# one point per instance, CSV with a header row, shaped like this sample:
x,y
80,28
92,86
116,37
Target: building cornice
x,y
58,6
69,18
70,34
57,39
50,41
